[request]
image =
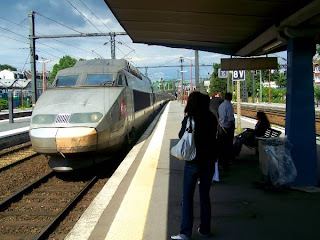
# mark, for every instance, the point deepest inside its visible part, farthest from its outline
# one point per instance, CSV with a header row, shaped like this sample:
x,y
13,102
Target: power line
x,y
83,15
13,39
26,61
42,33
41,50
58,22
13,32
95,15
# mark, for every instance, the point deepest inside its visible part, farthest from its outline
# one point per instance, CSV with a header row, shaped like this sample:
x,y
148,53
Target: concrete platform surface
x,y
142,200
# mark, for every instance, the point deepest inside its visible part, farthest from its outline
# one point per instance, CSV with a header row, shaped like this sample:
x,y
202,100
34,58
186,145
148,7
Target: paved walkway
x,y
143,198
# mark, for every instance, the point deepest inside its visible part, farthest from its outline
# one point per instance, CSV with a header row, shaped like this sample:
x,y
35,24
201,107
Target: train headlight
x,y
43,119
85,117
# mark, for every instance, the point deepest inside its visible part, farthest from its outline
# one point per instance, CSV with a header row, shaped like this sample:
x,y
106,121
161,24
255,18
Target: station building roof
x,y
232,27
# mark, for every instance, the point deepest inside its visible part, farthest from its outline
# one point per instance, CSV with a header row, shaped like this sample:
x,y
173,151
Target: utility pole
x,y
182,92
113,45
146,72
32,58
44,77
196,56
269,86
238,108
253,87
260,86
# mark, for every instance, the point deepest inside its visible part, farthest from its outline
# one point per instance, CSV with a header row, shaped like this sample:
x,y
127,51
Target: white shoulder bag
x,y
186,148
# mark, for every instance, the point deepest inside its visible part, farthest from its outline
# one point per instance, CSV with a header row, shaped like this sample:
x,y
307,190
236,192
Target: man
x,y
215,102
226,133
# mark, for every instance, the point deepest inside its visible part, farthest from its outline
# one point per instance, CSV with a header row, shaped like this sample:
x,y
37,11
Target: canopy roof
x,y
232,27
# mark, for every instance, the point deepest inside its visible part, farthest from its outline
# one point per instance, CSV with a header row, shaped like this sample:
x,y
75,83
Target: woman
x,y
201,168
248,137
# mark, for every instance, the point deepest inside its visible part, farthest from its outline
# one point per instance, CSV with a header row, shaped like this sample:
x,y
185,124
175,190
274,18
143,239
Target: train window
x,y
67,80
99,79
120,80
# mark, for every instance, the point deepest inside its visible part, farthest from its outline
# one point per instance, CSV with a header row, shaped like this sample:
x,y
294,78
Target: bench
x,y
270,132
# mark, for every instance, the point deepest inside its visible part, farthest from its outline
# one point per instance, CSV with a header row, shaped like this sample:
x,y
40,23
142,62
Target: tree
x,y
281,81
64,62
317,94
217,84
6,66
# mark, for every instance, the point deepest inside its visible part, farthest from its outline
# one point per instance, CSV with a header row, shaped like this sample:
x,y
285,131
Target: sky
x,y
54,17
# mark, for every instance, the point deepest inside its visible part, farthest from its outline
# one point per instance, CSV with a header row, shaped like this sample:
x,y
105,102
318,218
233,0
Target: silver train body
x,y
94,106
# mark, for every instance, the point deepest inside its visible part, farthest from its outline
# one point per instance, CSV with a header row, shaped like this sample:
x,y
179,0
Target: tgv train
x,y
95,106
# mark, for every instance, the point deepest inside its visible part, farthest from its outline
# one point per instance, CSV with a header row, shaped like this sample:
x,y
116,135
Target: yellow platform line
x,y
130,219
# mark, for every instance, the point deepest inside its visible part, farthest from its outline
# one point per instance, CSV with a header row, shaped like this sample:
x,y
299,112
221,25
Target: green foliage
x,y
277,95
217,84
6,66
318,48
3,104
64,62
317,94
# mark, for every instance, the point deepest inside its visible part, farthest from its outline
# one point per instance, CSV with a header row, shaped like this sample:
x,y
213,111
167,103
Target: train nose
x,y
64,140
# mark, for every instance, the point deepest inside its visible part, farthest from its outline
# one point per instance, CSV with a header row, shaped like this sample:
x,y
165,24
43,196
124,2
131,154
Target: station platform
x,y
142,200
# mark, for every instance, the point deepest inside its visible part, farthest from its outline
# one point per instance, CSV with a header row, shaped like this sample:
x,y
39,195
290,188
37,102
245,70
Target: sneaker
x,y
203,235
180,237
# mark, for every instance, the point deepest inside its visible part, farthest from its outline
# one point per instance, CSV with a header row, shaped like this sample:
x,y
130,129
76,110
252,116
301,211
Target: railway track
x,y
276,115
14,155
32,212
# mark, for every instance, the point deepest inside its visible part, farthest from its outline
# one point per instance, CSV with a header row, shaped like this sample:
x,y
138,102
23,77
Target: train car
x,y
94,107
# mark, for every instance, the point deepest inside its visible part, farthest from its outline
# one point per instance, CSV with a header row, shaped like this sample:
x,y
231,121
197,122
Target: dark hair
x,y
228,96
197,103
263,117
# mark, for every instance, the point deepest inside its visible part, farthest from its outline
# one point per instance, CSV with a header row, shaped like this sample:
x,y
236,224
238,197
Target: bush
x,y
4,103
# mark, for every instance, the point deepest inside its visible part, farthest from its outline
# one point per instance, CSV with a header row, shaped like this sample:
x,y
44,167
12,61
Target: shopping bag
x,y
185,149
216,173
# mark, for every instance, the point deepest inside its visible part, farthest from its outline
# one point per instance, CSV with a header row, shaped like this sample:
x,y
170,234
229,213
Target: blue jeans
x,y
192,173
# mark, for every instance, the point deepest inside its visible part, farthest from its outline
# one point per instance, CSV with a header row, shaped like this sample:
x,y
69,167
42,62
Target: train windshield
x,y
67,80
99,79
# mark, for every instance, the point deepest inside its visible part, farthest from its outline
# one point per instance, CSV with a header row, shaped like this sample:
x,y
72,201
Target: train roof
x,y
101,66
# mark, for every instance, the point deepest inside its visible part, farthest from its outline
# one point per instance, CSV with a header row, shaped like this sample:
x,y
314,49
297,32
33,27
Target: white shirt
x,y
226,114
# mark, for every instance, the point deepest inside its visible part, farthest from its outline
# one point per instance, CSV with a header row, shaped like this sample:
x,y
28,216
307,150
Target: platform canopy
x,y
232,27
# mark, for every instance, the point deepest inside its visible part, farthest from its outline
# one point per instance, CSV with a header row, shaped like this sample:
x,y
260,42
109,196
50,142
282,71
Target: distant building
x,y
272,84
316,70
20,82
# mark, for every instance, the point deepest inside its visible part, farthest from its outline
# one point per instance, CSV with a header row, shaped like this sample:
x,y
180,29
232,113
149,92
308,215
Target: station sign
x,y
222,74
238,75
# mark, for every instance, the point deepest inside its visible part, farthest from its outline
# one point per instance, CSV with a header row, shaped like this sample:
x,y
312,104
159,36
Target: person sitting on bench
x,y
248,137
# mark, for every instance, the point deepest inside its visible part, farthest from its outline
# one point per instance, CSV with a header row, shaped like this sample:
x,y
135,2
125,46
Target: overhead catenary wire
x,y
59,23
38,42
95,15
42,33
83,15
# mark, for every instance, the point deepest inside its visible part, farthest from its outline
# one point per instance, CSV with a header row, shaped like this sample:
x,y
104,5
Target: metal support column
x,y
253,87
32,58
300,112
260,91
10,105
238,108
196,70
113,45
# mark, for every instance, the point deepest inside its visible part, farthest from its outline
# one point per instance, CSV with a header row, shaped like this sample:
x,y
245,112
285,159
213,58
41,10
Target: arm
x,y
183,126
